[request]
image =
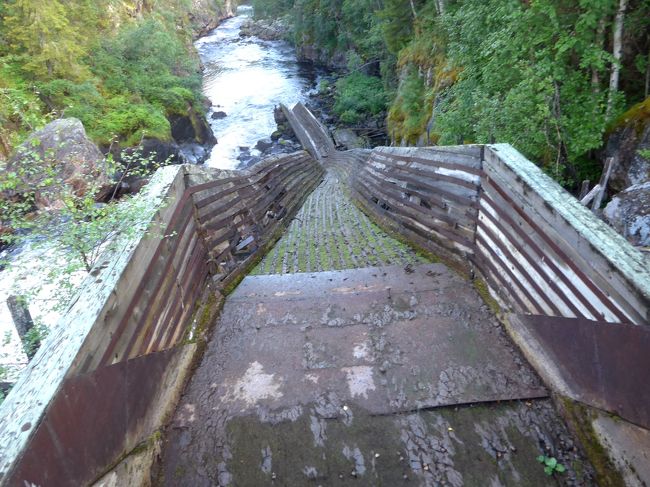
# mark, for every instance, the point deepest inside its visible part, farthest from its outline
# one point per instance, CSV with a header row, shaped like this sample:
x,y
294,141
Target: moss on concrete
x,y
330,233
484,291
579,418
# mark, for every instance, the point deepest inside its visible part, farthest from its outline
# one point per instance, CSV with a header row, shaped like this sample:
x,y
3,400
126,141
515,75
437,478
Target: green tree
x,y
39,31
527,78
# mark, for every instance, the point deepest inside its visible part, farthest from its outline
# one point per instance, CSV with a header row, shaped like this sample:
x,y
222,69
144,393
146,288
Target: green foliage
x,y
69,59
34,337
358,95
39,32
527,79
397,23
271,8
410,110
80,230
21,111
551,465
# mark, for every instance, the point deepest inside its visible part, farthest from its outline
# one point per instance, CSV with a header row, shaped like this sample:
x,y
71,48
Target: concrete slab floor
x,y
381,377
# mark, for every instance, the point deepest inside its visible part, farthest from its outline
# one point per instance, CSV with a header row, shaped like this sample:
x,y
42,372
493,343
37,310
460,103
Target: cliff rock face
x,y
629,210
625,143
629,214
207,14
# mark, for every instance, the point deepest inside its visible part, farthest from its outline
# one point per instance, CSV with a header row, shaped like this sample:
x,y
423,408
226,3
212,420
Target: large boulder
x,y
57,158
348,139
629,213
626,143
191,127
265,29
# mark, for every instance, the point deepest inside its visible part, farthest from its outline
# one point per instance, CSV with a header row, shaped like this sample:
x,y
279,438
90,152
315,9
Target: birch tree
x,y
617,53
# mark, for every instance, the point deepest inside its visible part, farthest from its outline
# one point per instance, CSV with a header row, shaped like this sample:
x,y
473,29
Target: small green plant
x,y
645,153
551,465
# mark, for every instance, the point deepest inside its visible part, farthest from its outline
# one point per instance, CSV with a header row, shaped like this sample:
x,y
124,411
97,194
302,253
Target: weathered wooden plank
x,y
157,318
451,213
584,243
433,161
513,284
563,264
470,154
537,252
153,276
448,191
443,238
429,218
489,234
455,177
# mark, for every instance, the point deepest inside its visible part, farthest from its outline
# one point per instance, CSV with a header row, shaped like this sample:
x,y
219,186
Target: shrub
x,y
357,96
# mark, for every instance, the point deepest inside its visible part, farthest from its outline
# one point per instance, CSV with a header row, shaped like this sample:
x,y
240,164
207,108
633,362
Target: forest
x,y
122,68
551,77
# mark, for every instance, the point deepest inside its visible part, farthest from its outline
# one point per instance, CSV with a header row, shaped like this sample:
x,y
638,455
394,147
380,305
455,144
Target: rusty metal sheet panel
x,y
605,364
91,421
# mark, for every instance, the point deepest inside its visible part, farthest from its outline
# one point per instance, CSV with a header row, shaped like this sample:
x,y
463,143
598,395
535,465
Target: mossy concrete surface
x,y
375,376
330,233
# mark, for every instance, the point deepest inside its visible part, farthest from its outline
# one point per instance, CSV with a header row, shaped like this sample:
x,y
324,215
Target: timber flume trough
x,y
572,293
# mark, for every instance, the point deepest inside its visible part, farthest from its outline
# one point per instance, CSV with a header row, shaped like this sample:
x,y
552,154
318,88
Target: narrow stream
x,y
246,78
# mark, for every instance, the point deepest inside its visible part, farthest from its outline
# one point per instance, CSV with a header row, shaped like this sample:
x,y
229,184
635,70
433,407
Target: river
x,y
246,78
243,77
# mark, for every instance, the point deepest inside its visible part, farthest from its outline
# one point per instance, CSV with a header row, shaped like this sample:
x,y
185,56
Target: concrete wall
x,y
111,370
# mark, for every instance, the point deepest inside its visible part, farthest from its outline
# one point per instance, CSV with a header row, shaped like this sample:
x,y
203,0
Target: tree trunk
x,y
23,323
647,77
617,51
415,14
600,41
441,7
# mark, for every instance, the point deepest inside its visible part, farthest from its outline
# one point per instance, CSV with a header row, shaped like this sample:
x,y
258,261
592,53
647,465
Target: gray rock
x,y
629,214
624,144
263,145
349,139
265,29
75,160
218,115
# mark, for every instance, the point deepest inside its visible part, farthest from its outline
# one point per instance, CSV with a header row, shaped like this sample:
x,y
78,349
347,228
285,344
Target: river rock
x,y
75,162
191,127
265,29
279,116
218,115
629,213
625,144
348,139
264,144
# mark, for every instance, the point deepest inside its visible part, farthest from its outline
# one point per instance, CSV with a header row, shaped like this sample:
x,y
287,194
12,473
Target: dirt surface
x,y
330,233
379,376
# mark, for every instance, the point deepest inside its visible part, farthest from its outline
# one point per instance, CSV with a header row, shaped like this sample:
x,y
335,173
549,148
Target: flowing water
x,y
243,77
246,78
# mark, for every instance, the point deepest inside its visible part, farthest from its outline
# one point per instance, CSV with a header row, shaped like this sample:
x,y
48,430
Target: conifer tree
x,y
40,32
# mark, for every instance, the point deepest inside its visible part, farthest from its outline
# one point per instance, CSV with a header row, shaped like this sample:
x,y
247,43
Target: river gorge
x,y
244,78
